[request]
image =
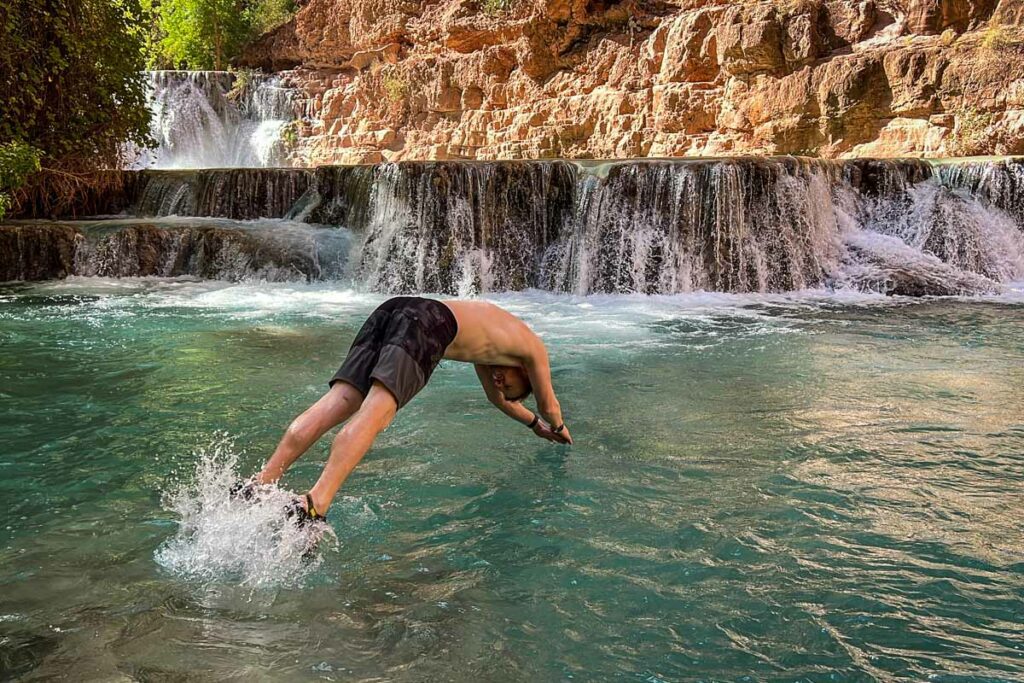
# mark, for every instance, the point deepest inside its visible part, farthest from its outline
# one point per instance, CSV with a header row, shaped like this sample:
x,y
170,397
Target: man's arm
x,y
517,411
537,367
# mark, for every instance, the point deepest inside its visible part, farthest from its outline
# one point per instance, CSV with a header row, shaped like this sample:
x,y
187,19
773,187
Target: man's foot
x,y
244,490
303,512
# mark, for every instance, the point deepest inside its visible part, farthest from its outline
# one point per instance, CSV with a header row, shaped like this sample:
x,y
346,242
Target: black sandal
x,y
304,515
244,489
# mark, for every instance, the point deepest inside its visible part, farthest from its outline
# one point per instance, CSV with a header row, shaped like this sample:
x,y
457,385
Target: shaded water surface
x,y
763,488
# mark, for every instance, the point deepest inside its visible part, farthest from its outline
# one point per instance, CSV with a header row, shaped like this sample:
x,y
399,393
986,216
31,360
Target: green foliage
x,y
18,161
971,135
265,15
201,34
996,38
395,87
493,7
208,34
290,134
71,81
243,79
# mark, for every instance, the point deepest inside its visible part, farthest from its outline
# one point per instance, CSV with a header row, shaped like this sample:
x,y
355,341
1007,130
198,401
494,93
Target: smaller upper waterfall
x,y
218,119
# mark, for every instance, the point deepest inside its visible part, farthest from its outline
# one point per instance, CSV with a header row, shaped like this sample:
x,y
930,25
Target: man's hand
x,y
543,430
563,435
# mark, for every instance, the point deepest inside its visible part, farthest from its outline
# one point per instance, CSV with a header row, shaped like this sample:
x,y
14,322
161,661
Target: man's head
x,y
511,381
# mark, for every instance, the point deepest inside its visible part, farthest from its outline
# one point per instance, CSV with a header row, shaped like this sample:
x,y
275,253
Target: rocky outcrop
x,y
48,251
37,252
514,79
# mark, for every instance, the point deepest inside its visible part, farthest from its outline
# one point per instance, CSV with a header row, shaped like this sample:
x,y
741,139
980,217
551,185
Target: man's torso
x,y
487,335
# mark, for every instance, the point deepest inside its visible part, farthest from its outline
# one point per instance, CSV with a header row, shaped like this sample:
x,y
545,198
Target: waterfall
x,y
640,226
220,193
212,119
997,184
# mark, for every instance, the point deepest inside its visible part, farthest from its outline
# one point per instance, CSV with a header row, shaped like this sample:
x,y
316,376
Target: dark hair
x,y
526,393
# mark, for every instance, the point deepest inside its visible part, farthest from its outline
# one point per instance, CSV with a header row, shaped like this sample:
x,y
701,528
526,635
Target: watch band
x,y
558,429
536,419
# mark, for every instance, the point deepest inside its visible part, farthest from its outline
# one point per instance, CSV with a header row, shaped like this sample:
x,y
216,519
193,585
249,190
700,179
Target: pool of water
x,y
806,487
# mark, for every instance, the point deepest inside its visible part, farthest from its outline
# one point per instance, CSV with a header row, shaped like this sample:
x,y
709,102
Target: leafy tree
x,y
264,15
208,34
202,33
71,87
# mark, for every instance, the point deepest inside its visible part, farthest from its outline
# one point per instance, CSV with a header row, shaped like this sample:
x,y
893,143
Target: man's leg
x,y
352,443
334,407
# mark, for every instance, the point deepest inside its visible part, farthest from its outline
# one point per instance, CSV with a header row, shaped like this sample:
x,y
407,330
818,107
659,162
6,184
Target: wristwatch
x,y
536,419
558,429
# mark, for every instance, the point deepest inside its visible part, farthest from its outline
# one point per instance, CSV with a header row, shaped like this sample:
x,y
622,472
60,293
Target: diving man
x,y
391,359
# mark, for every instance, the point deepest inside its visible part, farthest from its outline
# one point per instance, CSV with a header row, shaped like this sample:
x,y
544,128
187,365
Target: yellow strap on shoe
x,y
311,509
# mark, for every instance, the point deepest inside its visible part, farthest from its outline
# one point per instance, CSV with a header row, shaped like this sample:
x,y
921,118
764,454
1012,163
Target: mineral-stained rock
x,y
446,79
48,251
204,251
935,16
37,252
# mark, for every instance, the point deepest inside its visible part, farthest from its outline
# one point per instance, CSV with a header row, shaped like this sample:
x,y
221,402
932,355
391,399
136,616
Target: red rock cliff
x,y
513,79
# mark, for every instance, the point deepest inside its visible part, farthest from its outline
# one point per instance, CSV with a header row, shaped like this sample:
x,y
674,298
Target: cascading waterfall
x,y
998,184
211,119
646,226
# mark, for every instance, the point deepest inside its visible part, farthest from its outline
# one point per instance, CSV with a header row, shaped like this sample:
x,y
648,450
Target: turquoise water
x,y
763,488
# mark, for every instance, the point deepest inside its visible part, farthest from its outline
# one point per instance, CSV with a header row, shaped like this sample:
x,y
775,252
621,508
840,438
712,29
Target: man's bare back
x,y
489,335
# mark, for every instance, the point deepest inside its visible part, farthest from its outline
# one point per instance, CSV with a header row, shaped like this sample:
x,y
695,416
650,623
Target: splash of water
x,y
249,544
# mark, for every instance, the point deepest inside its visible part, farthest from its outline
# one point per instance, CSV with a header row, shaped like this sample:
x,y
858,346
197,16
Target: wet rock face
x,y
30,252
212,253
385,81
54,251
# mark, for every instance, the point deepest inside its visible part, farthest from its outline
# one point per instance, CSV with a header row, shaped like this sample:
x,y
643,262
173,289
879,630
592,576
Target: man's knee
x,y
383,409
373,417
301,429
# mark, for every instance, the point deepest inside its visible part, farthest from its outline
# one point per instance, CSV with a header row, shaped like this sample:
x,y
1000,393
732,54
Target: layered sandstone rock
x,y
513,79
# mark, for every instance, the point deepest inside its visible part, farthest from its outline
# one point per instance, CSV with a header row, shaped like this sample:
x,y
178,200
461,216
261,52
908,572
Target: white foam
x,y
248,544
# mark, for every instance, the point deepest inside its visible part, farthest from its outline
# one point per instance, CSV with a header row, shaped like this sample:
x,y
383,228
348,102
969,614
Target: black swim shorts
x,y
399,345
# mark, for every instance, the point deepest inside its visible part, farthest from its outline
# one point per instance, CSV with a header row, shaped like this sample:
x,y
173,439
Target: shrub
x,y
290,135
18,161
996,38
493,7
243,79
971,135
395,87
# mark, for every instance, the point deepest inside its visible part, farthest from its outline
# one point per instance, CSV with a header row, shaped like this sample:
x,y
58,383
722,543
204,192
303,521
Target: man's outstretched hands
x,y
543,430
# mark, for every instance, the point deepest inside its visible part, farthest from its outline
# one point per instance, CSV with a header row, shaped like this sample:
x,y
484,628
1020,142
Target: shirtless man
x,y
391,359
